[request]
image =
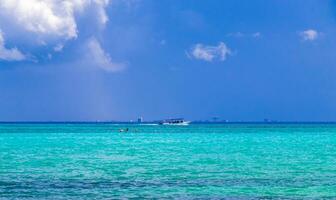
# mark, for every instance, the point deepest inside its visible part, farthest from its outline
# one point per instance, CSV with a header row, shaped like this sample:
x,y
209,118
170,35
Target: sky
x,y
238,60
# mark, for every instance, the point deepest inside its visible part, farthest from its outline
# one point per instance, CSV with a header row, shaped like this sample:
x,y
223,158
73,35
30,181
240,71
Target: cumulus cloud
x,y
36,24
209,53
98,57
309,35
12,54
49,17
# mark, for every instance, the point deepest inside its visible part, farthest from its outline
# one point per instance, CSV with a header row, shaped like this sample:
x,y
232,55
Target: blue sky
x,y
121,59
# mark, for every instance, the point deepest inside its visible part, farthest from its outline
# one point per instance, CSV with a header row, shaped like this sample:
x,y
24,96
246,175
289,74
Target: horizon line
x,y
156,121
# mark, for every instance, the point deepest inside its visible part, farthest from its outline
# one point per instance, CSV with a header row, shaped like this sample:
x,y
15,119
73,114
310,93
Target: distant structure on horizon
x,y
140,120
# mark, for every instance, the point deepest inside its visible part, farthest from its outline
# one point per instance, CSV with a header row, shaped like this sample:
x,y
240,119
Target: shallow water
x,y
230,161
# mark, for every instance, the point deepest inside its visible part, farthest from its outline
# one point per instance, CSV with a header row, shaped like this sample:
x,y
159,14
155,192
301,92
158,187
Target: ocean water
x,y
201,161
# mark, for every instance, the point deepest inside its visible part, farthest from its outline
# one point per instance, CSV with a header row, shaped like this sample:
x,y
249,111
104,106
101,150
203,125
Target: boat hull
x,y
186,123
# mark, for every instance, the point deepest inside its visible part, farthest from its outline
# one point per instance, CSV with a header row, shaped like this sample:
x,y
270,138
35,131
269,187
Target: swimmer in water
x,y
123,130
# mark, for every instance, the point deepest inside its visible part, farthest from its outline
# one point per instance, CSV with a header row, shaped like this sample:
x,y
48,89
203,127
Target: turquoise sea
x,y
200,161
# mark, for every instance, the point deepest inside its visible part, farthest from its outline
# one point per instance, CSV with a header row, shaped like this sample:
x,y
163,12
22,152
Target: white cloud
x,y
103,18
55,18
209,53
309,35
12,54
59,47
47,23
98,57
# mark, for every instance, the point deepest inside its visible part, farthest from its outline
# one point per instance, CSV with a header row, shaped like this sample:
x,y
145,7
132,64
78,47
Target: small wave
x,y
149,124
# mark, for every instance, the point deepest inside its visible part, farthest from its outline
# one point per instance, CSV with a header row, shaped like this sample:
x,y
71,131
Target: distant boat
x,y
180,122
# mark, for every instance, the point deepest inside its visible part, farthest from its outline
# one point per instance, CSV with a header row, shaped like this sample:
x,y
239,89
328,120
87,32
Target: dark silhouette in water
x,y
123,130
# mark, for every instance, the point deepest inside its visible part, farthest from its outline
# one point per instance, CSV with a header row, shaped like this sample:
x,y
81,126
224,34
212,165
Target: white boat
x,y
178,122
